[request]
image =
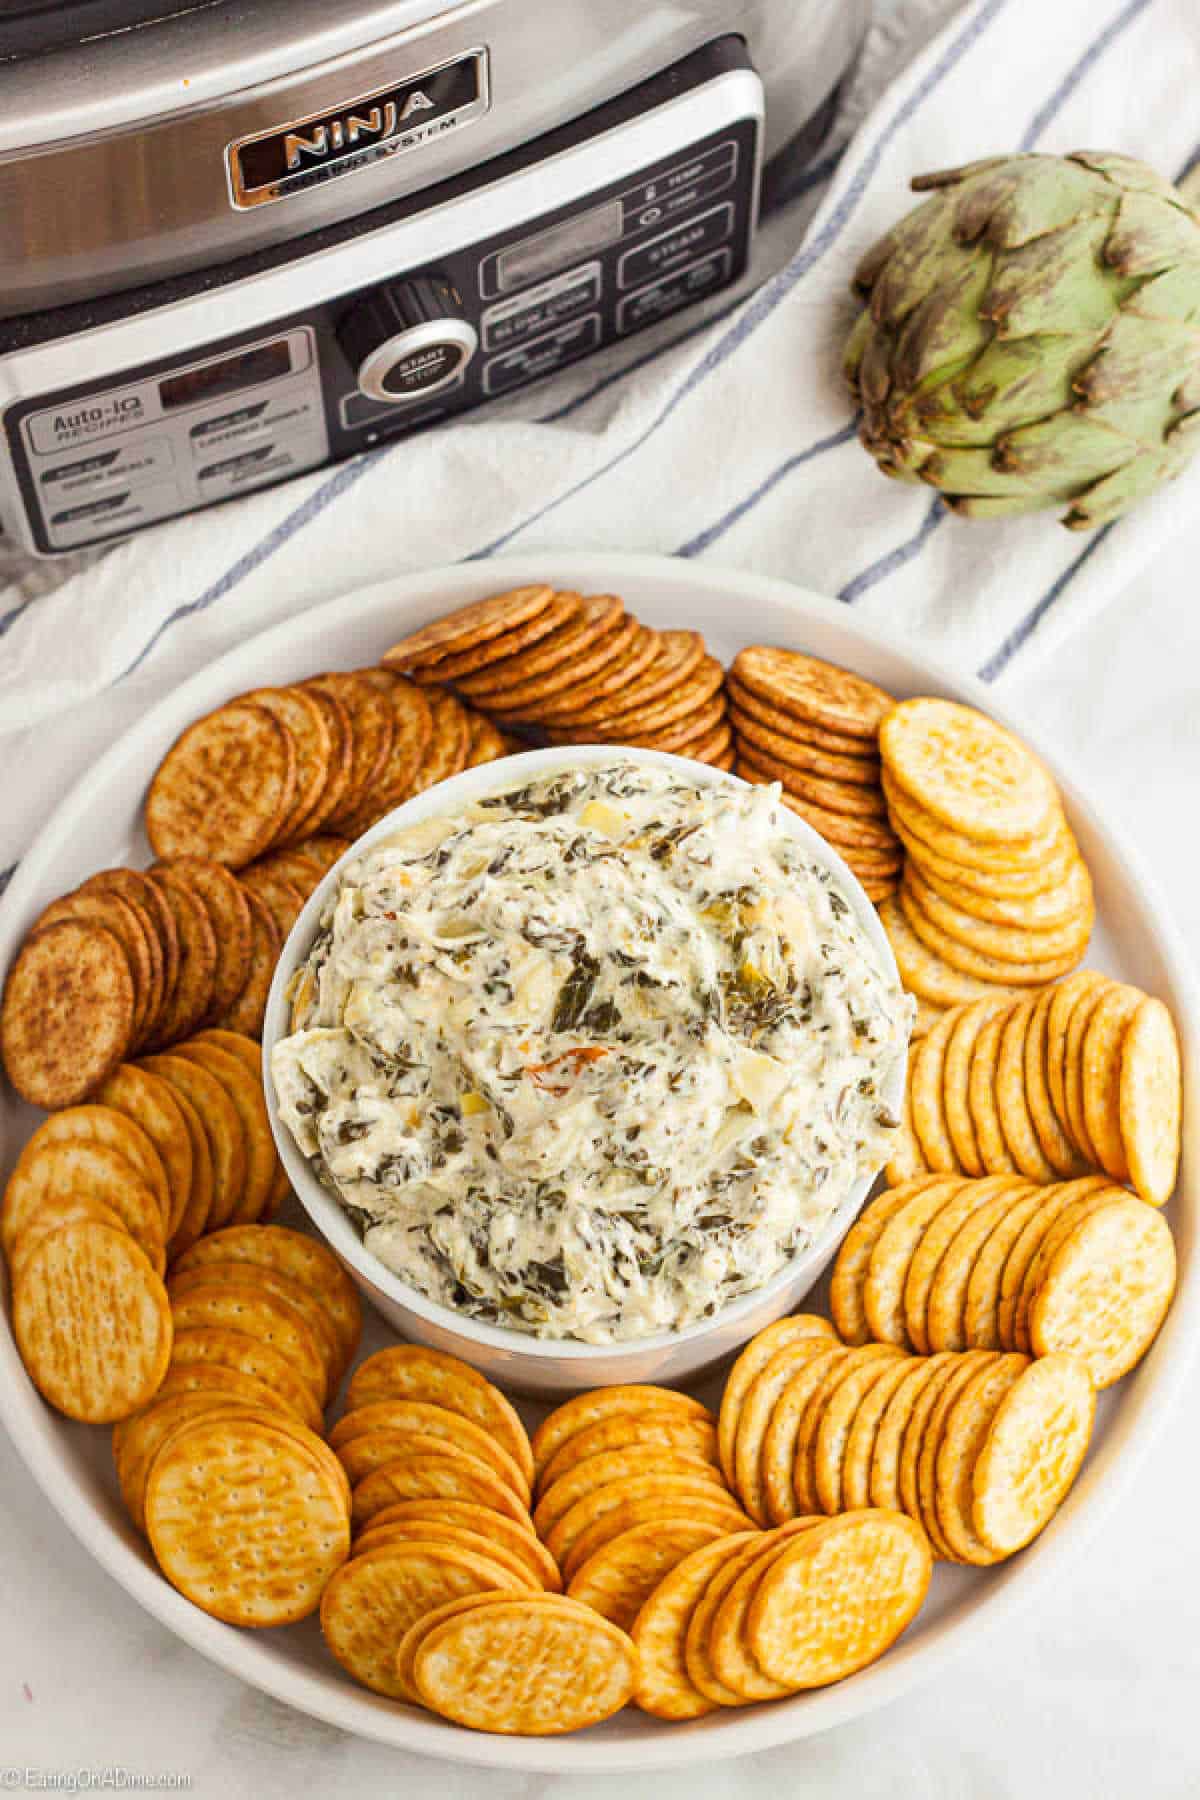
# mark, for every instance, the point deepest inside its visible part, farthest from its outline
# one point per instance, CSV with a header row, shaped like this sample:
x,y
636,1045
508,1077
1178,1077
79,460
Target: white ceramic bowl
x,y
527,1364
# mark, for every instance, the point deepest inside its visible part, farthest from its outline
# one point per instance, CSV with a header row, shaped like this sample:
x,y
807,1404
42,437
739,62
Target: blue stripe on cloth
x,y
1000,659
346,476
894,559
773,292
697,545
6,875
9,619
1071,80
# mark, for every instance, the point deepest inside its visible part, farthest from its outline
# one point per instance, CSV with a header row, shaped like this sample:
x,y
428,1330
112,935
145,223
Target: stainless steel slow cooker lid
x,y
115,135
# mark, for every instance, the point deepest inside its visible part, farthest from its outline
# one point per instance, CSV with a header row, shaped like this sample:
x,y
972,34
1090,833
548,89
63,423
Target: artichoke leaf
x,y
1035,196
941,178
874,370
1127,172
971,473
922,255
1175,294
1066,450
1149,236
855,346
945,331
1056,284
1000,506
912,238
1107,499
1008,385
1136,371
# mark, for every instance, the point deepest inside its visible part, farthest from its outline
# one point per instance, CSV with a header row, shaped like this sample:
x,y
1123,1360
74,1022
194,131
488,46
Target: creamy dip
x,y
594,1056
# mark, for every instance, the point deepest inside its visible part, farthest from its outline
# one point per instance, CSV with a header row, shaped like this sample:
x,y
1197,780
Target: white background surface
x,y
1092,1696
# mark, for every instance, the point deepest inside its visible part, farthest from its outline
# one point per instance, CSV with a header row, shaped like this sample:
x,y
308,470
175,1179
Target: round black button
x,y
408,339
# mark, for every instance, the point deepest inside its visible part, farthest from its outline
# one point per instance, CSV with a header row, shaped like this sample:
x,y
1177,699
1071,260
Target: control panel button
x,y
671,249
408,339
664,297
527,315
541,356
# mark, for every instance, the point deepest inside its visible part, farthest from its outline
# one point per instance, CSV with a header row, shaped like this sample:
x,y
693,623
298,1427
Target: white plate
x,y
98,825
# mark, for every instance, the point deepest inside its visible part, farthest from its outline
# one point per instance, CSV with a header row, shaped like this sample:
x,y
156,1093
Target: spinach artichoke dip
x,y
594,1056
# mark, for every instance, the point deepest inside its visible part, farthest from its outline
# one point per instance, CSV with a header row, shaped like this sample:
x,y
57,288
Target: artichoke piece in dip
x,y
594,1056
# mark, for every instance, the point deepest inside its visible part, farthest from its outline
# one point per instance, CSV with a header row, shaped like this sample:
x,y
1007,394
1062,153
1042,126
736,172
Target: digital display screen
x,y
552,250
264,363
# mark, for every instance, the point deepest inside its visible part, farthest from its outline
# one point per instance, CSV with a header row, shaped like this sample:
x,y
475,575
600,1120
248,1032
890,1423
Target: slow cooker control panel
x,y
417,311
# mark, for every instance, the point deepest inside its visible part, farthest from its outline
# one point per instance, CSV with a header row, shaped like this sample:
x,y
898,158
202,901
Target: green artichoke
x,y
1032,337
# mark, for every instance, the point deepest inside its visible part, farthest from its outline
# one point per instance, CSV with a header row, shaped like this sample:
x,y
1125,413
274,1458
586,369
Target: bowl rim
x,y
328,1216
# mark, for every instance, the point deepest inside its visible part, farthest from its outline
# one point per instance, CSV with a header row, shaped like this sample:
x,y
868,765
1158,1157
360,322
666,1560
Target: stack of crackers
x,y
1086,1074
815,728
577,670
979,1448
440,1466
628,1483
995,895
942,1265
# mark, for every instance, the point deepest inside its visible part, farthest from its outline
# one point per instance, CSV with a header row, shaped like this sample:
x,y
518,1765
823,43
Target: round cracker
x,y
337,770
1077,1027
804,1464
198,1206
224,1348
585,1409
800,1628
246,1093
923,1509
229,1384
301,1259
373,1435
47,1171
854,1257
1002,939
968,1022
924,1406
1150,1101
1008,859
432,1531
864,1429
190,1000
647,1432
223,899
477,623
219,1299
1100,1076
619,1577
648,1509
448,746
1034,1447
222,1128
281,897
907,1160
1021,1255
665,1688
705,726
946,1308
891,1258
828,1442
691,1494
68,1209
296,1298
248,1010
224,787
415,1372
372,724
1056,1146
967,770
818,692
994,1152
1012,1108
776,1461
477,1668
926,974
698,1641
245,1520
103,1124
157,924
893,1427
615,1466
307,724
926,1080
113,913
859,770
840,799
595,617
677,655
564,611
1105,1291
614,666
434,1476
67,1015
981,1306
754,1357
983,966
965,1428
515,1539
1062,1003
686,699
935,1244
1061,1226
1058,907
91,1321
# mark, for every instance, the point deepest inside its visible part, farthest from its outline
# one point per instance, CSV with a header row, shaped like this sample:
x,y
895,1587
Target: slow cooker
x,y
240,239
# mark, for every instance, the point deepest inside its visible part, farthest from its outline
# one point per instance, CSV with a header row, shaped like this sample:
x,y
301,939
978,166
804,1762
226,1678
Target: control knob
x,y
408,339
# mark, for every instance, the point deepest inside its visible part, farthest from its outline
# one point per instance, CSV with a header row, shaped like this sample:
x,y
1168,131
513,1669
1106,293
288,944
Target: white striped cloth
x,y
729,436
